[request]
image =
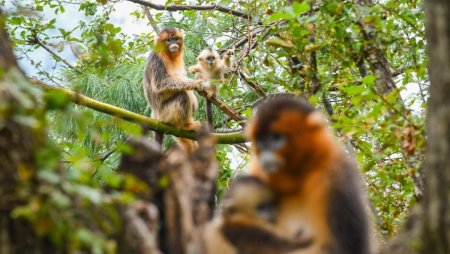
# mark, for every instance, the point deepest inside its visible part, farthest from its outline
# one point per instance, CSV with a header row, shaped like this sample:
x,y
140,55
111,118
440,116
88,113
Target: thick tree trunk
x,y
17,148
436,223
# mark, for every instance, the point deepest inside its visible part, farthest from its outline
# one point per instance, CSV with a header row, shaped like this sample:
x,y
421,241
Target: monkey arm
x,y
226,60
171,85
250,239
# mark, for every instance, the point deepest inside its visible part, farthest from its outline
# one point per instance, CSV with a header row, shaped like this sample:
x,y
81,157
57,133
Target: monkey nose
x,y
269,161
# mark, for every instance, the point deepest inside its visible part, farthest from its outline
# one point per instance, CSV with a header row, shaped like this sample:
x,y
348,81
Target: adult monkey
x,y
318,187
167,89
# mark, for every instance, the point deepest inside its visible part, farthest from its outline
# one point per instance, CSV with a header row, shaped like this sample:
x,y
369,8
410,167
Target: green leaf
x,y
369,80
300,8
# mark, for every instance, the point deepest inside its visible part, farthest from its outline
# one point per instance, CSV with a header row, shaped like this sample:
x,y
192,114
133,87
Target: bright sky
x,y
70,19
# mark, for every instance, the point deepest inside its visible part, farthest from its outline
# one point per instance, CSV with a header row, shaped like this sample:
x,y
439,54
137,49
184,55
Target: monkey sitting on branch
x,y
167,89
211,69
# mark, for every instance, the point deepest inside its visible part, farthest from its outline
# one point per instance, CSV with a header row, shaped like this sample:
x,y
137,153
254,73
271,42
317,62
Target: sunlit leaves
x,y
89,8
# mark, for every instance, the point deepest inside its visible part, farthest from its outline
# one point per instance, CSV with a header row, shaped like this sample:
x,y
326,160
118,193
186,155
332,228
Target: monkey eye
x,y
210,58
172,39
271,141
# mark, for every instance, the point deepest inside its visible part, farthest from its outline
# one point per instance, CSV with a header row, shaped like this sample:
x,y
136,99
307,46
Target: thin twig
x,y
150,19
192,7
36,41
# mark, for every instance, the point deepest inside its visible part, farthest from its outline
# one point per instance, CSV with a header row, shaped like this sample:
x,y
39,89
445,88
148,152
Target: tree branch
x,y
151,19
36,41
192,7
244,39
152,124
224,107
254,86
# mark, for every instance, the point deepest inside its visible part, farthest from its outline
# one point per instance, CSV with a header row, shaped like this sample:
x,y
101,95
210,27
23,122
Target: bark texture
x,y
436,219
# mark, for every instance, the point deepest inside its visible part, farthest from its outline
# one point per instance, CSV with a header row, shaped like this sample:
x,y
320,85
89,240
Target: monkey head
x,y
290,138
248,199
209,59
170,41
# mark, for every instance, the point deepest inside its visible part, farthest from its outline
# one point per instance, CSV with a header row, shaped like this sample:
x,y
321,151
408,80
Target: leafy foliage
x,y
323,52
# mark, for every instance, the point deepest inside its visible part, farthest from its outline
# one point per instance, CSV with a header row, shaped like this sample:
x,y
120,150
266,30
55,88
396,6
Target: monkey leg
x,y
209,115
192,125
187,145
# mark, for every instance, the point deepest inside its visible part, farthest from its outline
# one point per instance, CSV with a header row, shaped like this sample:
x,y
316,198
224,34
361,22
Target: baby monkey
x,y
246,223
211,69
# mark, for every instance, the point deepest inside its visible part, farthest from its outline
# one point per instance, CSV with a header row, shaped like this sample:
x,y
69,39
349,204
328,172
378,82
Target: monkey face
x,y
170,40
172,43
209,58
269,146
286,134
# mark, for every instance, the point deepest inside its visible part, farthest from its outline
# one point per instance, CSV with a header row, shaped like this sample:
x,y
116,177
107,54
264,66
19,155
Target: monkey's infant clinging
x,y
318,186
245,224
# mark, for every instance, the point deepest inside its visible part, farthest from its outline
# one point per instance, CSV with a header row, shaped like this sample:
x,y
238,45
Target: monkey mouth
x,y
173,48
270,162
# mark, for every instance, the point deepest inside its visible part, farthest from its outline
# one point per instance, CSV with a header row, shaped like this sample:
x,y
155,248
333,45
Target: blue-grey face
x,y
210,60
172,43
269,146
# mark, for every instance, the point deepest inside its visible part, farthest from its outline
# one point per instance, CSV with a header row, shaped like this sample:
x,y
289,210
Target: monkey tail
x,y
187,145
209,114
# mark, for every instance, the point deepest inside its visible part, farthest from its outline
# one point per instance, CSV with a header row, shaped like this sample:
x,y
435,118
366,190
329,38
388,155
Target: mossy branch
x,y
152,124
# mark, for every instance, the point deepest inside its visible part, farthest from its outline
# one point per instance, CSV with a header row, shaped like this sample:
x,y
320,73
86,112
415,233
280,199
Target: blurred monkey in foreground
x,y
167,89
318,187
245,225
211,69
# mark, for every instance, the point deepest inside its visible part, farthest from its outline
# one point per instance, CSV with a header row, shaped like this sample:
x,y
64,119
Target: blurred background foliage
x,y
325,51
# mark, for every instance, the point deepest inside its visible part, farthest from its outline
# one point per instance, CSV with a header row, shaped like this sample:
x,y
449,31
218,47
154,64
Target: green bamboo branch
x,y
152,124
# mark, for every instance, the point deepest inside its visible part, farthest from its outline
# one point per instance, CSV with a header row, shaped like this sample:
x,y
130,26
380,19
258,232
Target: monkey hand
x,y
210,92
230,52
194,69
198,85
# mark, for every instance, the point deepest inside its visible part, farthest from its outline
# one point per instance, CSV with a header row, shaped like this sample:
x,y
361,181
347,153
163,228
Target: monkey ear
x,y
315,119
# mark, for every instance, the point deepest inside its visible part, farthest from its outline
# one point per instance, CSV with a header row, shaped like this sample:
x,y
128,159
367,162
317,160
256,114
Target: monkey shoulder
x,y
155,66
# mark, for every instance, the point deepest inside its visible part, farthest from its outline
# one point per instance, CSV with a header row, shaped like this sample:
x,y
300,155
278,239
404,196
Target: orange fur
x,y
173,61
303,187
309,169
174,66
